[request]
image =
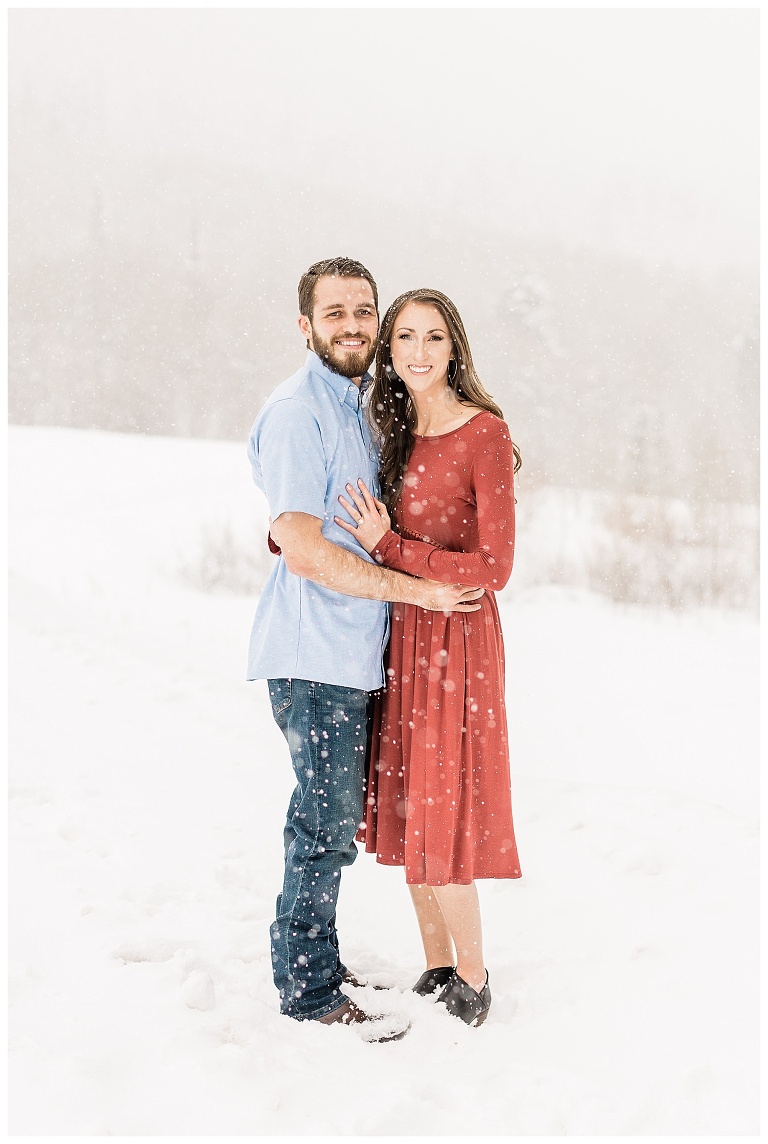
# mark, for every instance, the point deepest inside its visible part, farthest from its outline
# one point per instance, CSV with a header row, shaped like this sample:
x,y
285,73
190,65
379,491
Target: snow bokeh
x,y
148,788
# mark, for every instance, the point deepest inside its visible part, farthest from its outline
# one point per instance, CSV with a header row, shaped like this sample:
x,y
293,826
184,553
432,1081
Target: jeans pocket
x,y
279,695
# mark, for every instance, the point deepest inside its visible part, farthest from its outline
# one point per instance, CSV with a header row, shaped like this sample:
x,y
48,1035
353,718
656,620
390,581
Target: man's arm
x,y
308,554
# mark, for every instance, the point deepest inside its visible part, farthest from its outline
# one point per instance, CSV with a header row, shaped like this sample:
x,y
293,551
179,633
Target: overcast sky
x,y
631,129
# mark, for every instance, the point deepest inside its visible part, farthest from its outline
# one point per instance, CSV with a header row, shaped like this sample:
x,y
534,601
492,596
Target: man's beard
x,y
342,361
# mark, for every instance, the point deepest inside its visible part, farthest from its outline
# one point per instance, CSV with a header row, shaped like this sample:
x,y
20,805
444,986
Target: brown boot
x,y
368,1026
348,978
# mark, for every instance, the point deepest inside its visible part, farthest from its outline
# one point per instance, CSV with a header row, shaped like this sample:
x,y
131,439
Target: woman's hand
x,y
370,516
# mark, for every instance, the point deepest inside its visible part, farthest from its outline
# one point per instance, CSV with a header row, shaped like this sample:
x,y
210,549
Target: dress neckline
x,y
439,436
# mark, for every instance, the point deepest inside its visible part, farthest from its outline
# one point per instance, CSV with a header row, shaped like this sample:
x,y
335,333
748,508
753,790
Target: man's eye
x,y
365,312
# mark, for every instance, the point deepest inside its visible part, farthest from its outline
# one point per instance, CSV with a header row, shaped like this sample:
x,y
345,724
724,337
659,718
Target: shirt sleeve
x,y
286,451
490,566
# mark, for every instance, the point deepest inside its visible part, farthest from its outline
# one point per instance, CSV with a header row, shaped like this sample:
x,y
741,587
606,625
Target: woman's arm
x,y
491,565
308,554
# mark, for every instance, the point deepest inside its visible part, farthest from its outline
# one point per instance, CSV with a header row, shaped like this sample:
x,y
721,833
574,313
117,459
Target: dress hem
x,y
474,878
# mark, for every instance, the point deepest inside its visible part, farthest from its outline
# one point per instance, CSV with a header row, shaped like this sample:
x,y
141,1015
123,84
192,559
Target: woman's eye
x,y
403,337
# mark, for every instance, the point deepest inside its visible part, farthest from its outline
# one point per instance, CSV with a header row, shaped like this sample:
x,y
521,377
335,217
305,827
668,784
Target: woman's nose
x,y
420,351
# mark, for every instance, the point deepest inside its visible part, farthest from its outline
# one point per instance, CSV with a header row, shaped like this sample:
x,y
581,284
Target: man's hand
x,y
437,597
308,554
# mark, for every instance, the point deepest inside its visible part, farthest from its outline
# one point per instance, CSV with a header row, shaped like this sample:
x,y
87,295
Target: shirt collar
x,y
341,386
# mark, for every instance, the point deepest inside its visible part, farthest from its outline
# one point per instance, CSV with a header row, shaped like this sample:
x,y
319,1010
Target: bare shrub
x,y
227,562
657,550
636,549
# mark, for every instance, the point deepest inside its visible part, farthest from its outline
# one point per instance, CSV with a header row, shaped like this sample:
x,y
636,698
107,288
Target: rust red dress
x,y
438,793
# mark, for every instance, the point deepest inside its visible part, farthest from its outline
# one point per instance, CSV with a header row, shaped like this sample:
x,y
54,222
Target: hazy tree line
x,y
156,294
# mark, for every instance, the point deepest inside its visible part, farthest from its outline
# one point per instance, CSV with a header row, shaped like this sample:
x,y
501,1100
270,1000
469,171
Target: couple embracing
x,y
391,507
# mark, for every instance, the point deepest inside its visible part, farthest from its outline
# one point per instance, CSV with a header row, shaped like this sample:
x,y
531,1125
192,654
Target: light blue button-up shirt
x,y
309,440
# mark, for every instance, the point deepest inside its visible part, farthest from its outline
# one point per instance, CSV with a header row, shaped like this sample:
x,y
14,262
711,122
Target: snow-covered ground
x,y
148,785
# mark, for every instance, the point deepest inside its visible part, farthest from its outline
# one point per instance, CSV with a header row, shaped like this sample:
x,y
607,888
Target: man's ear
x,y
306,328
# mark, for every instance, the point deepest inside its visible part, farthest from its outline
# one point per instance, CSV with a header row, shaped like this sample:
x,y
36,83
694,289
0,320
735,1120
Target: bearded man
x,y
321,627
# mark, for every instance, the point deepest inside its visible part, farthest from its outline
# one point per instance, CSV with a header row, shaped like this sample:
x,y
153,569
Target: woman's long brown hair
x,y
390,409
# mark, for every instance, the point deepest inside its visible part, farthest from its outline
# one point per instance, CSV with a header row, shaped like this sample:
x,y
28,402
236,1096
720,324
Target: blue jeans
x,y
326,728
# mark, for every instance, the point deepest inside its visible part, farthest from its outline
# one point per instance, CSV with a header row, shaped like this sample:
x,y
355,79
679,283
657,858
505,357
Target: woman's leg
x,y
460,907
435,935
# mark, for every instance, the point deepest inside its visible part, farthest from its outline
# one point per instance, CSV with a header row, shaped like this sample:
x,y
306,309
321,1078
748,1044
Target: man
x,y
321,627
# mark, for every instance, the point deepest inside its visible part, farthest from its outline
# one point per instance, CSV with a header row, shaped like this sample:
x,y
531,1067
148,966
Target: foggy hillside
x,y
157,294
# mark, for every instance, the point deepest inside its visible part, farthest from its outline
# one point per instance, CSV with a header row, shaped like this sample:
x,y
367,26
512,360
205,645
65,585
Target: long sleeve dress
x,y
438,792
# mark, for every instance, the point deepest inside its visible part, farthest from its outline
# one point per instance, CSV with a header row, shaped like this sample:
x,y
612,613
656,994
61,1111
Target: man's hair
x,y
331,267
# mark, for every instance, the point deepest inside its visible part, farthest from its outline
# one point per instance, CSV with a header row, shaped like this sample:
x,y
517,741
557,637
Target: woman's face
x,y
421,348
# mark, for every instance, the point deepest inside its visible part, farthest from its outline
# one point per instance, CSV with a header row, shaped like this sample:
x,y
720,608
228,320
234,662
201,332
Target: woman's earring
x,y
452,372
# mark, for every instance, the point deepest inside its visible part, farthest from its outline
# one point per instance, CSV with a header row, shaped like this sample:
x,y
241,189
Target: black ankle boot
x,y
432,980
462,1001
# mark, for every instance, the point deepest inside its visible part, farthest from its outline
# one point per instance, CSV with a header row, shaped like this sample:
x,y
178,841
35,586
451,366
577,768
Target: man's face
x,y
344,324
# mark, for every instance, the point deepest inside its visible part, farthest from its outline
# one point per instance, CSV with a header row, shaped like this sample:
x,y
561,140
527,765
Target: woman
x,y
438,788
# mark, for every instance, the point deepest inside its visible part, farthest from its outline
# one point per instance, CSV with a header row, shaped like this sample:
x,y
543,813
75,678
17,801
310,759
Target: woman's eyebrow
x,y
409,330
